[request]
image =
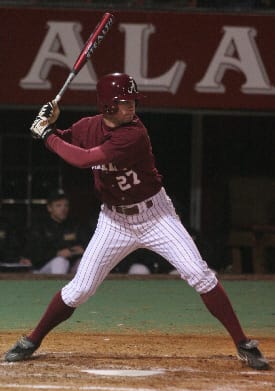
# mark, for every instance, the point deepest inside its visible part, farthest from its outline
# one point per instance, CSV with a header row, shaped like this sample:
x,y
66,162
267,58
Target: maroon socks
x,y
56,313
219,305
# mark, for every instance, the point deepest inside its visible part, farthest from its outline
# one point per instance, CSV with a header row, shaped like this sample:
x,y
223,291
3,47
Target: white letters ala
x,y
62,45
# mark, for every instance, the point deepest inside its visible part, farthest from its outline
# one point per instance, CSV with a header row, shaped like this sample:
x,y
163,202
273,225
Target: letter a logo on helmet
x,y
133,87
114,87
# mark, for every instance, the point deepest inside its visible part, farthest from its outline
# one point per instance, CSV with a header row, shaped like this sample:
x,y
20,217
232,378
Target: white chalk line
x,y
124,372
75,388
102,388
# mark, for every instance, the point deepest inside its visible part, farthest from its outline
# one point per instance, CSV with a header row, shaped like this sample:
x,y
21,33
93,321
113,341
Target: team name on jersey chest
x,y
106,167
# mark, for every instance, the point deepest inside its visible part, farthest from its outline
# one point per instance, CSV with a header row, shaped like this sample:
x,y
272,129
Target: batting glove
x,y
46,110
51,111
41,128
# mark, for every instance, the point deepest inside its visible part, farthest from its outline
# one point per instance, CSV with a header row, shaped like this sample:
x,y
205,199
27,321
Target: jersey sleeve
x,y
74,134
123,146
74,155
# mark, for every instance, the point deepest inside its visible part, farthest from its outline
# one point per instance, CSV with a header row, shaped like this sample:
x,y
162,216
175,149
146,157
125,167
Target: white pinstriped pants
x,y
158,229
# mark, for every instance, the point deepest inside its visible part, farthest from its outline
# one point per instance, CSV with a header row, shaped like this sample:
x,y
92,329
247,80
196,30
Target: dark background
x,y
235,145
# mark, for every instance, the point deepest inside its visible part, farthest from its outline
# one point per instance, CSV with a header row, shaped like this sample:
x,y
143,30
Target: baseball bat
x,y
90,46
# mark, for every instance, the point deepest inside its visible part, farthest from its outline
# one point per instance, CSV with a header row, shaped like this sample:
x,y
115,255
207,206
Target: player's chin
x,y
128,118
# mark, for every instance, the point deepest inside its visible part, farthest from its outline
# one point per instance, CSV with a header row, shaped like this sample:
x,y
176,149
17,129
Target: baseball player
x,y
135,213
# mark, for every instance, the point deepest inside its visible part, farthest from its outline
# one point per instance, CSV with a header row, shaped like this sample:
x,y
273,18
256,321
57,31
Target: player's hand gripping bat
x,y
90,46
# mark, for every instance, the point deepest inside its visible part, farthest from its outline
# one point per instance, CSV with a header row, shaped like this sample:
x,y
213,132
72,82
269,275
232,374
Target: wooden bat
x,y
90,46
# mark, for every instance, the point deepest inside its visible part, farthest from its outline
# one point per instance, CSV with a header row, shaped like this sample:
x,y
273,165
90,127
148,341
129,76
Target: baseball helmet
x,y
114,87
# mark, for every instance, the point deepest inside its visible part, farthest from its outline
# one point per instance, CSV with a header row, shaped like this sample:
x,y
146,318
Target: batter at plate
x,y
136,212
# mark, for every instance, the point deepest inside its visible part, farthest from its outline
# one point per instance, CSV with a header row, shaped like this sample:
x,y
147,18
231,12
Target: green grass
x,y
122,306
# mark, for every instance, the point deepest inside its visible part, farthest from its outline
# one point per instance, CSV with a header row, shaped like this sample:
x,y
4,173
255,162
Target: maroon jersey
x,y
121,158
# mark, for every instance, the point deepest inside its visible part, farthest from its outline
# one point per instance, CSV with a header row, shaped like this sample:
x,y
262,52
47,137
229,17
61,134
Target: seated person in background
x,y
56,244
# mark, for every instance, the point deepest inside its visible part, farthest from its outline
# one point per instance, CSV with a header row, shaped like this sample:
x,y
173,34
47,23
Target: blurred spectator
x,y
55,244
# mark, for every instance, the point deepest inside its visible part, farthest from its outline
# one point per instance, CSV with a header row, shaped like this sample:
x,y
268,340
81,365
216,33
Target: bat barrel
x,y
94,40
91,44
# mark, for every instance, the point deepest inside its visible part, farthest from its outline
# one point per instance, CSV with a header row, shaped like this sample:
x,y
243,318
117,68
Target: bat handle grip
x,y
57,98
65,86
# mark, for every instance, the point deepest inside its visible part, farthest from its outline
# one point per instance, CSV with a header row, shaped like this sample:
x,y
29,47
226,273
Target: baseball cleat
x,y
251,355
22,350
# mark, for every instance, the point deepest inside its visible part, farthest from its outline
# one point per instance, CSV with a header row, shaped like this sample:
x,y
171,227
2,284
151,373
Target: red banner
x,y
179,60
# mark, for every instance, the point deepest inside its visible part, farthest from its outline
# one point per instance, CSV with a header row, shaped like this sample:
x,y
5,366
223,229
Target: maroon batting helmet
x,y
113,88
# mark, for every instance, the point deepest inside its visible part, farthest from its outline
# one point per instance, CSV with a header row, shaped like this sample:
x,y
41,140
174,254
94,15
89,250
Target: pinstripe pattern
x,y
158,229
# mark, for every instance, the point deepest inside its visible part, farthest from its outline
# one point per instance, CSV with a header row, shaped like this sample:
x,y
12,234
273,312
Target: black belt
x,y
129,211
